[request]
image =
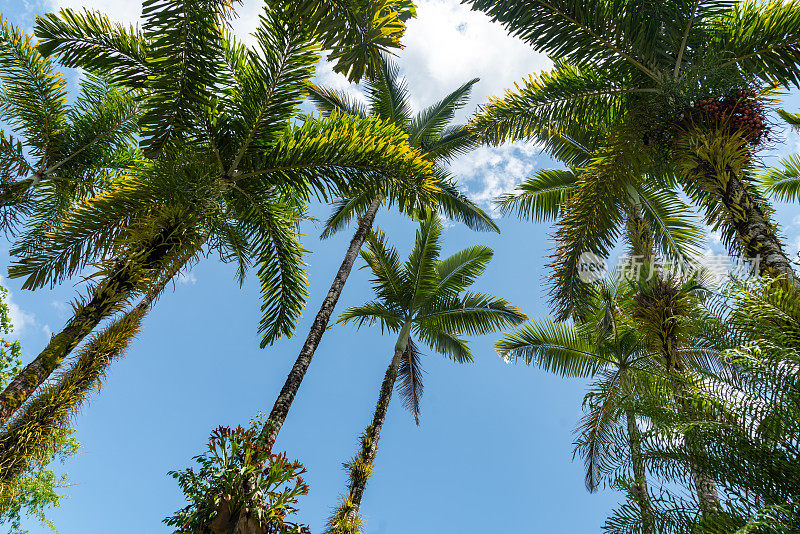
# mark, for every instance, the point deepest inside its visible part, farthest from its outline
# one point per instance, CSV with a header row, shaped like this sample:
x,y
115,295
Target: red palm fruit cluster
x,y
740,112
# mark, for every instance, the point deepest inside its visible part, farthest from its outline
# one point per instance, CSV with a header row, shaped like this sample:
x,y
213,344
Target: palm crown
x,y
425,299
223,166
650,77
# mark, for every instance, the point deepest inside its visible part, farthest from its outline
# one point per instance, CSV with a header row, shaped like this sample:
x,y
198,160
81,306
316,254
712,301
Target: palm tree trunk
x,y
704,484
287,394
111,292
346,519
713,172
756,233
44,416
372,434
640,490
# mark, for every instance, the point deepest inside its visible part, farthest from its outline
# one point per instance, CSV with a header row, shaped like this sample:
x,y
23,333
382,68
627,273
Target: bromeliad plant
x,y
647,73
223,166
431,133
424,298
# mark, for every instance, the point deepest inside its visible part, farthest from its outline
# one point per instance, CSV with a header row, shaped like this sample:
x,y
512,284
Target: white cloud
x,y
488,172
187,278
23,321
61,307
448,44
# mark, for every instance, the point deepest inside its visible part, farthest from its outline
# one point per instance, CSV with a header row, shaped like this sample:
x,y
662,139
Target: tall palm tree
x,y
424,298
223,168
622,342
683,82
57,152
604,344
429,131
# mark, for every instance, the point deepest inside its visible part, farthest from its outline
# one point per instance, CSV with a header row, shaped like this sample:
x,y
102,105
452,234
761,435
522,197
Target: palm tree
x,y
654,221
425,299
608,345
222,168
430,132
682,84
635,337
57,152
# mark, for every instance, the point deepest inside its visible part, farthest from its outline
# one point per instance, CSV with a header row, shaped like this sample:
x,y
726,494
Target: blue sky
x,y
494,448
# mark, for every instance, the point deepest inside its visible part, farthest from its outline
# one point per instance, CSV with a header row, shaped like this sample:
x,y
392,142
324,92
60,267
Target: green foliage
x,y
430,131
33,492
429,295
250,488
631,80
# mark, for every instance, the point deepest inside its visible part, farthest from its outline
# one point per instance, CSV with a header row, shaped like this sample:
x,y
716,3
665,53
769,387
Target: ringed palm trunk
x,y
290,388
346,519
111,292
713,167
640,490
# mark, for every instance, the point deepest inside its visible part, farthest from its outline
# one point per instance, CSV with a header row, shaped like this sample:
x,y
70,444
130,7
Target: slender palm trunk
x,y
43,417
704,484
287,394
640,490
346,519
111,292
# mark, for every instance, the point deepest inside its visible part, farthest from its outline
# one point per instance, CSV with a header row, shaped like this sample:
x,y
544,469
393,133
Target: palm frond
x,y
461,270
429,123
540,197
88,40
409,374
471,314
783,182
556,347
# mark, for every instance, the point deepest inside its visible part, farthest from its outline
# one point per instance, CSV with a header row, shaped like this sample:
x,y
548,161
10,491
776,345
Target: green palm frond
x,y
454,141
372,312
792,119
342,153
455,205
328,100
462,269
356,32
420,268
185,44
783,182
429,123
344,211
409,374
557,347
448,344
271,86
677,231
589,224
388,96
87,39
471,314
559,101
541,197
572,30
761,38
33,93
384,262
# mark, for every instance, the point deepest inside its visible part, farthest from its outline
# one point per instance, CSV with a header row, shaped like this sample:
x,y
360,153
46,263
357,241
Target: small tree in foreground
x,y
252,491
